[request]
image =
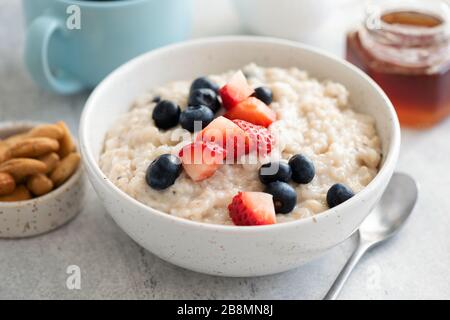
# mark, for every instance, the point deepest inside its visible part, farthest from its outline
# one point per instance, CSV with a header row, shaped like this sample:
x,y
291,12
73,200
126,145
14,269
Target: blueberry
x,y
204,83
205,97
303,170
284,196
264,94
156,99
166,114
163,171
275,171
338,194
194,114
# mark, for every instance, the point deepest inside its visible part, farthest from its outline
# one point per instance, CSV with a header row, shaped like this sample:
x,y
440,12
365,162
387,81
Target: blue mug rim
x,y
97,3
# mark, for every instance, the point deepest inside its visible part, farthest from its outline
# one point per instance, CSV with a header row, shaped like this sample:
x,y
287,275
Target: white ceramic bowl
x,y
43,214
296,20
230,250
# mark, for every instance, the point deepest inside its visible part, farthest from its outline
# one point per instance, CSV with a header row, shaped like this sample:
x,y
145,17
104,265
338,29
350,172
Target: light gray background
x,y
413,265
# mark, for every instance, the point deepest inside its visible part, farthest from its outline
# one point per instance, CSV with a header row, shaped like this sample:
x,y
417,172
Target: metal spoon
x,y
383,222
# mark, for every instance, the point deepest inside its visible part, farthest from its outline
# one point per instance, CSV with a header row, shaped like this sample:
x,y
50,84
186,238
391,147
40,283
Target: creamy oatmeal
x,y
313,118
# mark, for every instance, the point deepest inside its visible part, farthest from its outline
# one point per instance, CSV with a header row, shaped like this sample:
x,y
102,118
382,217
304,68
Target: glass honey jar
x,y
405,47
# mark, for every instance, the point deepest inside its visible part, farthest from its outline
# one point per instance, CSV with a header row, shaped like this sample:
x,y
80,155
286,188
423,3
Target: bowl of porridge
x,y
239,156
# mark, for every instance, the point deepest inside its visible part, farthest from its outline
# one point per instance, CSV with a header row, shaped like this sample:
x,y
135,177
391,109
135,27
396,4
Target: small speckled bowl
x,y
43,214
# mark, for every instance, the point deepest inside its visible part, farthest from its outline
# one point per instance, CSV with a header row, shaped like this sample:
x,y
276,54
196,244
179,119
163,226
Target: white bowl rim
x,y
52,194
92,164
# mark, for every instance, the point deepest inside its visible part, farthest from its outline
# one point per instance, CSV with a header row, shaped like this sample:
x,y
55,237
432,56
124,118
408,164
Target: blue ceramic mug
x,y
71,45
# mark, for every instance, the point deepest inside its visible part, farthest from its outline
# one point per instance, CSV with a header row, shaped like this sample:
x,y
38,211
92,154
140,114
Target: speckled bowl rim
x,y
385,172
49,196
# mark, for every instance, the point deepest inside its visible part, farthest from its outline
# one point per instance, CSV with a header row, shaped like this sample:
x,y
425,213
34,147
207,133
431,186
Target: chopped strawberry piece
x,y
253,110
252,209
261,140
235,91
201,159
228,135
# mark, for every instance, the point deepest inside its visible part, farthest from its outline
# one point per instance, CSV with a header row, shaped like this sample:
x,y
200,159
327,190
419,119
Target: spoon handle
x,y
336,288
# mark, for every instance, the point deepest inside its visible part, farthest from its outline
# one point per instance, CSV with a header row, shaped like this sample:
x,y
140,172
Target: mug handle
x,y
38,38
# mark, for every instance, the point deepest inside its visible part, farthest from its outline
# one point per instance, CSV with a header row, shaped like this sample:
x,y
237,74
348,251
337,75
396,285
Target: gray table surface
x,y
414,265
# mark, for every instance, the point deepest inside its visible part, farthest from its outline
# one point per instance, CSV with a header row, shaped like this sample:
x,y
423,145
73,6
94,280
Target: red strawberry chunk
x,y
252,110
228,135
261,140
235,91
252,209
201,159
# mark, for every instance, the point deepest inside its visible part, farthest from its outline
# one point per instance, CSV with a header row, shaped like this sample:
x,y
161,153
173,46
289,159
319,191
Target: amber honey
x,y
407,54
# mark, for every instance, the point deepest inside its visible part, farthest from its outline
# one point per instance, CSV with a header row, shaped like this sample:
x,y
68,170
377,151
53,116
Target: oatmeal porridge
x,y
326,151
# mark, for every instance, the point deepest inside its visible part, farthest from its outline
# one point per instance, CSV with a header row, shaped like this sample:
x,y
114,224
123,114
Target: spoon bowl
x,y
392,211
